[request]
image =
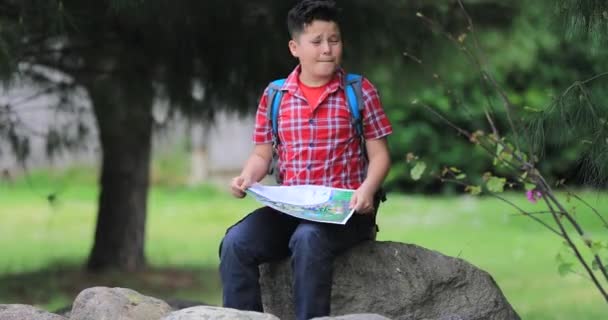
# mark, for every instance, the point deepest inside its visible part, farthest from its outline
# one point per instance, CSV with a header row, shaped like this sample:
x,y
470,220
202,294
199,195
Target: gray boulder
x,y
22,312
117,304
217,313
399,281
358,316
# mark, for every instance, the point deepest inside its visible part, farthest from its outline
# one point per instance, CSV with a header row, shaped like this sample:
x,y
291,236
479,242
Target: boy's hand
x,y
363,201
239,185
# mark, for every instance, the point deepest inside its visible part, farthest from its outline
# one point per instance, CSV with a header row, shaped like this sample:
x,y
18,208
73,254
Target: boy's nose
x,y
326,47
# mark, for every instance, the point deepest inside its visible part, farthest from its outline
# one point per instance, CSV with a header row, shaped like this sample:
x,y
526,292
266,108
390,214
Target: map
x,y
310,202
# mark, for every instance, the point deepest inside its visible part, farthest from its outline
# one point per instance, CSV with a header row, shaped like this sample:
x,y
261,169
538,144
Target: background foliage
x,y
530,59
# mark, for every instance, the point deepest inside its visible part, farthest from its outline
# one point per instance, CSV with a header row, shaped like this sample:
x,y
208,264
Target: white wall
x,y
218,151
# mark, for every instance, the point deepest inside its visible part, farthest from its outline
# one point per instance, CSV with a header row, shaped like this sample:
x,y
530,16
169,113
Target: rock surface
x,y
398,281
359,316
117,304
213,313
22,312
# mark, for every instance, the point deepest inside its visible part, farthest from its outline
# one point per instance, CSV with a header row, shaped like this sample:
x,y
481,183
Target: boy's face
x,y
319,49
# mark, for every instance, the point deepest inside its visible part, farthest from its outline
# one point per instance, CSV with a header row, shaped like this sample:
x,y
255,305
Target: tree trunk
x,y
199,158
123,113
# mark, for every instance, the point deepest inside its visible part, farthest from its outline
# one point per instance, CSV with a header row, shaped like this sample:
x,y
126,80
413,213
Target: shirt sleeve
x,y
375,122
262,132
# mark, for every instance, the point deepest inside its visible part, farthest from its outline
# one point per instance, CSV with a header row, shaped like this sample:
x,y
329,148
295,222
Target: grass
x,y
43,243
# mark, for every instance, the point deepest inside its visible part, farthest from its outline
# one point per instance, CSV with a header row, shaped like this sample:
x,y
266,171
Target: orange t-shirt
x,y
312,94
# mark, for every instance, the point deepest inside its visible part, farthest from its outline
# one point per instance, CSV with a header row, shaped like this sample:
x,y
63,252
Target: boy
x,y
318,145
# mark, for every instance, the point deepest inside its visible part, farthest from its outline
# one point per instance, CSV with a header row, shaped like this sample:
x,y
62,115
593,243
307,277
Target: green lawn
x,y
42,243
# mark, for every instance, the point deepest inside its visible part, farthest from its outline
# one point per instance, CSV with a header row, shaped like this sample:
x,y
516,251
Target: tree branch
x,y
571,244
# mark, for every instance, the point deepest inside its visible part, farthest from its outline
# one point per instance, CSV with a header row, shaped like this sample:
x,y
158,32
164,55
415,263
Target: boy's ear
x,y
293,47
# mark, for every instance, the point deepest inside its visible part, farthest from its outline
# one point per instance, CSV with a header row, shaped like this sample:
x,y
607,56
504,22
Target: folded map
x,y
310,202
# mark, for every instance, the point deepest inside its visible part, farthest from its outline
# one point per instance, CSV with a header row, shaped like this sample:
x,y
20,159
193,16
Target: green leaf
x,y
461,176
418,170
508,157
524,175
502,157
473,190
530,109
564,268
454,169
559,258
499,149
522,155
596,246
496,184
530,186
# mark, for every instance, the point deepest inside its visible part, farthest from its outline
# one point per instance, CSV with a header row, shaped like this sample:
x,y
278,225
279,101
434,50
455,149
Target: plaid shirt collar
x,y
291,83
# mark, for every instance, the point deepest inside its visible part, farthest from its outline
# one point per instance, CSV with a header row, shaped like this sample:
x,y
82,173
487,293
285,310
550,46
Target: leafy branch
x,y
519,159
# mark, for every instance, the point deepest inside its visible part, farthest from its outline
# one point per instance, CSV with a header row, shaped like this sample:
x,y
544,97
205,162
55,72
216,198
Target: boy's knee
x,y
307,237
231,244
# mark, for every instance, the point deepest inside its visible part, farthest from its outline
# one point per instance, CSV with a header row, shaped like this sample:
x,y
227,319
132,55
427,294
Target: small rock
x,y
357,316
22,312
117,303
217,313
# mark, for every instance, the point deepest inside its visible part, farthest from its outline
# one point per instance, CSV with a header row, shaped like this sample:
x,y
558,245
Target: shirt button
x,y
311,144
309,166
311,121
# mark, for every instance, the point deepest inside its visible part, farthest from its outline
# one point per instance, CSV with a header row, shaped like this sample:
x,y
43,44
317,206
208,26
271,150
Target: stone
x,y
358,316
22,312
398,281
217,313
117,304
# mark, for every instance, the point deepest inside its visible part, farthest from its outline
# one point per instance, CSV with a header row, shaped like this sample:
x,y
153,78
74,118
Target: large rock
x,y
22,312
117,304
399,281
217,313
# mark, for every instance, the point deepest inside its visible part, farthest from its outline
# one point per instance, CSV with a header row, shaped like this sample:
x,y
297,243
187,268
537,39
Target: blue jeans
x,y
267,235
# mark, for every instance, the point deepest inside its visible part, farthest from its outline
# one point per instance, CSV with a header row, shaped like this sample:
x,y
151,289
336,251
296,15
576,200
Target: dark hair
x,y
306,11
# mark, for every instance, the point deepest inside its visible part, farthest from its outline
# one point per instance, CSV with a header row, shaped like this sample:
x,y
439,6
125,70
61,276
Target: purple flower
x,y
533,195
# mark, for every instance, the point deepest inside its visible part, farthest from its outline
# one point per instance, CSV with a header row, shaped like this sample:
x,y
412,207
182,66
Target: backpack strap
x,y
354,99
274,96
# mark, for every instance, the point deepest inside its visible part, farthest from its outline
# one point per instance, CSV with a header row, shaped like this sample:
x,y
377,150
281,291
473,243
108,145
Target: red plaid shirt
x,y
321,146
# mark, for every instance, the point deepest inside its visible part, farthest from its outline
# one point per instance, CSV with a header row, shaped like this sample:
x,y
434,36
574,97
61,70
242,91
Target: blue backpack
x,y
354,99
